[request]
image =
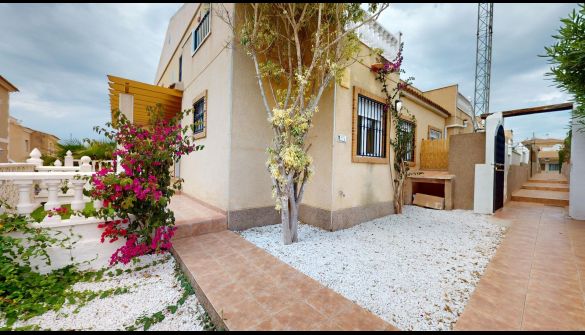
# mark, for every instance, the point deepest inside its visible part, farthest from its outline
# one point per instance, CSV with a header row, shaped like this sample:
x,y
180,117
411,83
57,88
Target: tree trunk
x,y
294,221
284,218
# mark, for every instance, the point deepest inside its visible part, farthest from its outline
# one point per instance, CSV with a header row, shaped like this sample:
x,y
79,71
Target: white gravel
x,y
150,290
416,270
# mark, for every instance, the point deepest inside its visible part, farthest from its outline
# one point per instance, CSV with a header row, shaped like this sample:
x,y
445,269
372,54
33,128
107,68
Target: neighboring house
x,y
547,153
5,89
22,140
350,137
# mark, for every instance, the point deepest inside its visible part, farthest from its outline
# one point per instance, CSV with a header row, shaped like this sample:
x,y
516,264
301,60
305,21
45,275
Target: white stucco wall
x,y
483,199
577,180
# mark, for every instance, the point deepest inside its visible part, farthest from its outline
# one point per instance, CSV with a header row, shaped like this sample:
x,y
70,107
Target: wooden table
x,y
430,177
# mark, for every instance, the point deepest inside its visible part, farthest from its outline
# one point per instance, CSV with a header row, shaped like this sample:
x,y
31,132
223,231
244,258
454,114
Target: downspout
x,y
454,126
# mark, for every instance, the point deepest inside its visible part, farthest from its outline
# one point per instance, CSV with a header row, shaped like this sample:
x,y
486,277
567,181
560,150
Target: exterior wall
x,y
4,102
446,97
465,150
517,175
46,143
425,118
577,183
17,149
206,172
361,191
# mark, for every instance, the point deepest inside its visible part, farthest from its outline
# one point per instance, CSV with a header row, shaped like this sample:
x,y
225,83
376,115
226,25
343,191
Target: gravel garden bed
x,y
416,270
145,295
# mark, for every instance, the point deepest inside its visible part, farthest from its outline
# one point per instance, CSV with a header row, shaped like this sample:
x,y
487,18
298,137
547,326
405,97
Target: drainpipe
x,y
464,125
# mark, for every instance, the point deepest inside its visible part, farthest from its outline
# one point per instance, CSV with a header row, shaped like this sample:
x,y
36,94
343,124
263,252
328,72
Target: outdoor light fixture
x,y
398,105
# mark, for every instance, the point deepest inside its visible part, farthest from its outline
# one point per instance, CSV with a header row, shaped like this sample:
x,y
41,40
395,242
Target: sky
x,y
58,55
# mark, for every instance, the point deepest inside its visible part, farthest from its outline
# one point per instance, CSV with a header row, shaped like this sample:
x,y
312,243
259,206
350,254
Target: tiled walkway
x,y
536,280
244,288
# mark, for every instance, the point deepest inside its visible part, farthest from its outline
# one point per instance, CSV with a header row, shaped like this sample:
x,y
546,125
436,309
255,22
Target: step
x,y
192,218
552,198
546,187
548,181
243,287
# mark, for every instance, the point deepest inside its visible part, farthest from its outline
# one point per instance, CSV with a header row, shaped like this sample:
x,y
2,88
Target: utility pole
x,y
483,61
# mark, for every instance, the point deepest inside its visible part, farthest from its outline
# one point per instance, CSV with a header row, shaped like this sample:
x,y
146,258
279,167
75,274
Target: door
x,y
499,165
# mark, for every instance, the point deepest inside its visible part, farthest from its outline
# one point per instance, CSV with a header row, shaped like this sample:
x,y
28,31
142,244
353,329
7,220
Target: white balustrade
x,y
52,196
68,158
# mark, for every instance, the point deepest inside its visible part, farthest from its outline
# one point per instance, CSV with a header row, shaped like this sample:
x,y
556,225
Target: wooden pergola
x,y
145,95
534,110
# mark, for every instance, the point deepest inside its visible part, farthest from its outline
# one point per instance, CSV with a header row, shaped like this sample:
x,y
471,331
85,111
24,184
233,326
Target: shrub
x,y
140,193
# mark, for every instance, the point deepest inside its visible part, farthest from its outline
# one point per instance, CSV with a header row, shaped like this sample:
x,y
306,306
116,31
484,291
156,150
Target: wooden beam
x,y
119,88
143,98
534,110
144,86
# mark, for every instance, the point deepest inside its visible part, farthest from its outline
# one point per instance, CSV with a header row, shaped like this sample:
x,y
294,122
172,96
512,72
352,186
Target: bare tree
x,y
297,49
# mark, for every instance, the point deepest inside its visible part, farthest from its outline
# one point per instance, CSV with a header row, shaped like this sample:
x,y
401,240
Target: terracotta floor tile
x,y
328,326
275,298
228,295
474,319
299,316
213,280
542,314
558,293
302,285
269,324
328,302
242,314
255,282
356,318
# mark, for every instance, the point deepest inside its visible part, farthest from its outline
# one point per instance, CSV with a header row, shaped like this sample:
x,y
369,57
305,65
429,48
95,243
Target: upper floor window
x,y
200,116
200,33
181,68
369,139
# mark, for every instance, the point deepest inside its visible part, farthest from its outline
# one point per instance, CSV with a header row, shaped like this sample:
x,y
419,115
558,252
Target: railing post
x,y
85,165
78,204
35,157
24,205
53,194
57,163
68,158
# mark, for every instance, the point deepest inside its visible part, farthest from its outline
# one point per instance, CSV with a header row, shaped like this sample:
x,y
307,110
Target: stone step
x,y
546,187
548,181
193,218
551,198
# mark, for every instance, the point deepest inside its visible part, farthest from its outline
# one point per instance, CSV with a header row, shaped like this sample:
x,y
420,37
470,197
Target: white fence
x,y
27,186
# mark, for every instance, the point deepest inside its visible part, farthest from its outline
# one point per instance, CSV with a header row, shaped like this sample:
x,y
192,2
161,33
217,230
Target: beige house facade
x,y
5,89
22,140
546,152
350,137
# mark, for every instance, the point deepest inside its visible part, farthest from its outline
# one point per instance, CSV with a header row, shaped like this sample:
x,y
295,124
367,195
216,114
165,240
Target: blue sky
x,y
58,55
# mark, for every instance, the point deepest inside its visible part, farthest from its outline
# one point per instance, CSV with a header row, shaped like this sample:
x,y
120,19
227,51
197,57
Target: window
x,y
200,116
409,130
200,33
181,68
434,133
26,146
369,140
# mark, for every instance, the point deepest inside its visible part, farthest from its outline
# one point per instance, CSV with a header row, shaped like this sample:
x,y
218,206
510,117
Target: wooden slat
x,y
119,88
434,154
144,86
534,110
141,98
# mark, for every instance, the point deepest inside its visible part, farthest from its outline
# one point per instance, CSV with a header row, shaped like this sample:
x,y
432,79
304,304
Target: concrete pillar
x,y
126,105
577,179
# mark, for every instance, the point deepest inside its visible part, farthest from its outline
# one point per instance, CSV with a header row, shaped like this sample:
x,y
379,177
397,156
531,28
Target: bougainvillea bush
x,y
135,198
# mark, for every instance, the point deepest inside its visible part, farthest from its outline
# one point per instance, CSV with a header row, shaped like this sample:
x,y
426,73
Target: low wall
x,y
465,150
566,170
517,176
87,251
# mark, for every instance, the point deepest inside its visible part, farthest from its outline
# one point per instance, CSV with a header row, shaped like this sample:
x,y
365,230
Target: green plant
x,y
565,152
402,142
38,215
140,193
298,50
567,56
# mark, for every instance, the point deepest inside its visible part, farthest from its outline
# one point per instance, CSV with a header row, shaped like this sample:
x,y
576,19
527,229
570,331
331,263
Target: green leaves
x,y
567,57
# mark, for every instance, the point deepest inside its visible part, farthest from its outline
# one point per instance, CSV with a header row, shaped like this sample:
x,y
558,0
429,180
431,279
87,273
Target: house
x,y
546,151
5,89
349,139
22,140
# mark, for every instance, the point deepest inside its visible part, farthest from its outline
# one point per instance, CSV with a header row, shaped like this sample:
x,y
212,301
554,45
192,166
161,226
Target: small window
x,y
200,33
26,146
435,134
181,68
200,116
369,138
409,129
